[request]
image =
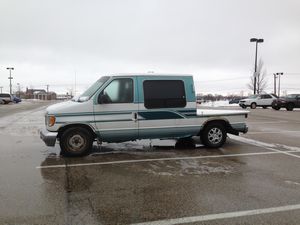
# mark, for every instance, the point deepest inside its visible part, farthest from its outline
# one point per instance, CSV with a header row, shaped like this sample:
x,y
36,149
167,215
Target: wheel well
x,y
219,121
291,103
87,127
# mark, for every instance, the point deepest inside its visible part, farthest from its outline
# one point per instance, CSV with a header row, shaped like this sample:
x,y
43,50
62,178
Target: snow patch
x,y
24,123
292,182
188,167
224,103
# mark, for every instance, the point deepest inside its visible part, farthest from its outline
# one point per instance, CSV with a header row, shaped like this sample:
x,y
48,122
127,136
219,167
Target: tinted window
x,y
266,96
253,96
291,96
5,95
119,91
164,94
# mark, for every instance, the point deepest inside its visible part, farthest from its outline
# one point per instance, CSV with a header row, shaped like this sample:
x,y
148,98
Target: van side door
x,y
115,110
162,103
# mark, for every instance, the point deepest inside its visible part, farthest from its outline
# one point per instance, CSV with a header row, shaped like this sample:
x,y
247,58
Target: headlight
x,y
51,121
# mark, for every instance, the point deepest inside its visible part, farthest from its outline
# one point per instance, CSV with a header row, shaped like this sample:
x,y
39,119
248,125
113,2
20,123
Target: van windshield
x,y
91,90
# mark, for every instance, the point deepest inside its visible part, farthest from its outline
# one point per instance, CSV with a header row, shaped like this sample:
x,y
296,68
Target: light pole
x,y
10,78
1,89
279,74
275,77
19,89
256,40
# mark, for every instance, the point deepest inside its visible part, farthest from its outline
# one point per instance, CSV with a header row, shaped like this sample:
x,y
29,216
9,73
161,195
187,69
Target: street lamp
x,y
279,74
10,77
256,40
19,89
275,77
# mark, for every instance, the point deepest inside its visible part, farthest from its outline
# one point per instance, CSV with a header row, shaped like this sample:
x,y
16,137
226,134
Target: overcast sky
x,y
49,42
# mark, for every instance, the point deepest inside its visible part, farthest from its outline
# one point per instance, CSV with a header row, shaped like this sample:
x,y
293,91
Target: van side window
x,y
119,91
164,94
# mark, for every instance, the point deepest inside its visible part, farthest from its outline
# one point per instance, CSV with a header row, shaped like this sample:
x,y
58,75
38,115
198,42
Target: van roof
x,y
150,74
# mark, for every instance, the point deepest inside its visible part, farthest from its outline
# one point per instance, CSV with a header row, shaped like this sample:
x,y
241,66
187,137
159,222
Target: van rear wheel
x,y
76,141
214,135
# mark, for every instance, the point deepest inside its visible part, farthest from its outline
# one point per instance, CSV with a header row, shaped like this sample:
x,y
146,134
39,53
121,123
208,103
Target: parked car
x,y
112,110
262,100
7,98
16,99
235,101
289,102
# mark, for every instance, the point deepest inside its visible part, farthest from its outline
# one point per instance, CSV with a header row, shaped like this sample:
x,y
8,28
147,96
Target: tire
x,y
76,141
276,107
214,135
243,106
253,105
290,107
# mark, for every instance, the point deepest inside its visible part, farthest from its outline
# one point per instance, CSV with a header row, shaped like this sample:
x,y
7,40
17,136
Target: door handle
x,y
134,116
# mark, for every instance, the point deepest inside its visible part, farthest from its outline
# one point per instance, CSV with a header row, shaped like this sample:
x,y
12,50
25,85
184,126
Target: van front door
x,y
116,112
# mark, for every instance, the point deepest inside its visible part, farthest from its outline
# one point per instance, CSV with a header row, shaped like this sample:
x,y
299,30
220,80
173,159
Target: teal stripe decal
x,y
123,112
146,114
160,115
188,111
97,121
92,114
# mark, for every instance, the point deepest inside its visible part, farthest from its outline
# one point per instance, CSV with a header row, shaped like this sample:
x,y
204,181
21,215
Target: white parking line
x,y
267,145
269,122
219,216
162,159
274,132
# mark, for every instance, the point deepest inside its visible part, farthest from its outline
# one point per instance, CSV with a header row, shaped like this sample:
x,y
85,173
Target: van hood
x,y
70,107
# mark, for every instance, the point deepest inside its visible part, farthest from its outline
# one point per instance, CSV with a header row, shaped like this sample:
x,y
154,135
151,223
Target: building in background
x,y
40,94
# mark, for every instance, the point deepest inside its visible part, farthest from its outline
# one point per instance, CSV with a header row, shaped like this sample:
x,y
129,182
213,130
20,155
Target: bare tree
x,y
261,78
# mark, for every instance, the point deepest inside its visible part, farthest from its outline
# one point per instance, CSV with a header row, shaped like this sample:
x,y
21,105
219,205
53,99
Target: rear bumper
x,y
238,128
243,130
278,104
48,137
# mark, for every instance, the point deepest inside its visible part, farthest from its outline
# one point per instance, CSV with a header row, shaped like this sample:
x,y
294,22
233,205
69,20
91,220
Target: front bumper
x,y
48,137
279,104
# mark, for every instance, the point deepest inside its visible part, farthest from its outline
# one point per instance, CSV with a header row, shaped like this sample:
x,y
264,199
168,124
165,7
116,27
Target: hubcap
x,y
76,142
215,135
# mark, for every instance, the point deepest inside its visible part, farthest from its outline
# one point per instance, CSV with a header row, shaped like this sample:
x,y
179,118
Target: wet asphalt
x,y
146,181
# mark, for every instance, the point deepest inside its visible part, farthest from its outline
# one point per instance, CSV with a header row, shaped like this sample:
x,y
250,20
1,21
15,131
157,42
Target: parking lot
x,y
252,179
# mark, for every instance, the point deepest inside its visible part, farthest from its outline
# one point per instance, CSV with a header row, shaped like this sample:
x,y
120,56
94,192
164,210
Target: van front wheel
x,y
213,135
75,141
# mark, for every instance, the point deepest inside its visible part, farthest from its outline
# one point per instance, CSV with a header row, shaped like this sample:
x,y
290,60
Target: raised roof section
x,y
150,74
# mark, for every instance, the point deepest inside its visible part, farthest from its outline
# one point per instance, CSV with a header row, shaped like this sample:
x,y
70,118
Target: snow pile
x,y
223,103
